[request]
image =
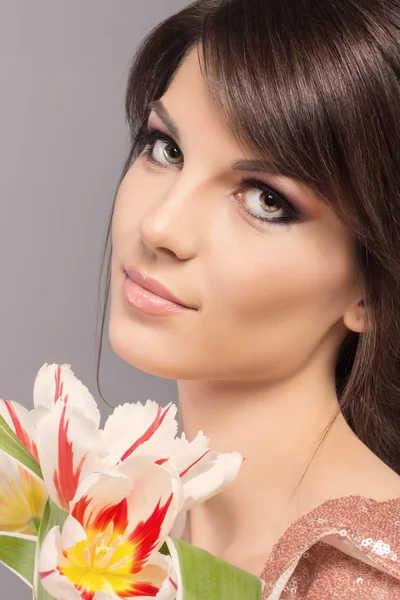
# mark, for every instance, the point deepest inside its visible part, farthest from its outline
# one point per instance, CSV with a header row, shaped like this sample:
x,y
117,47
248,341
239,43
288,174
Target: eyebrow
x,y
255,165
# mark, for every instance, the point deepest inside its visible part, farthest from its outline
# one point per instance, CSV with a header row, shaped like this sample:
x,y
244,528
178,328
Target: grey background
x,y
63,139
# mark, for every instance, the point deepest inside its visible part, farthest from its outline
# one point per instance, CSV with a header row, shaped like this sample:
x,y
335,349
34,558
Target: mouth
x,y
152,285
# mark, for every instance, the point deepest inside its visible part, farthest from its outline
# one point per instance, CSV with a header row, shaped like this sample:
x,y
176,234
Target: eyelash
x,y
146,140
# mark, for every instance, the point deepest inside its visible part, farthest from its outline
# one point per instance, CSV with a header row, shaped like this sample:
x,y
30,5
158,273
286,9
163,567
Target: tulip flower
x,y
22,495
68,436
120,489
152,430
108,547
72,447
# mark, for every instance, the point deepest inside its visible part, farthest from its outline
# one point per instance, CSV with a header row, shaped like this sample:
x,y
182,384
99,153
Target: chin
x,y
151,350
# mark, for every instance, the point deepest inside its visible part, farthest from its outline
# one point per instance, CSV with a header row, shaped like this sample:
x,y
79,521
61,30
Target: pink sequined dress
x,y
345,549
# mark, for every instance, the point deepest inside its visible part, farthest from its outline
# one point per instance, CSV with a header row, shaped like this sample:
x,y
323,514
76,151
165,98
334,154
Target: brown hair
x,y
313,84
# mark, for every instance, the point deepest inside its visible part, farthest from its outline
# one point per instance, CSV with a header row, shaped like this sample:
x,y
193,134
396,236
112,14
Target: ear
x,y
355,316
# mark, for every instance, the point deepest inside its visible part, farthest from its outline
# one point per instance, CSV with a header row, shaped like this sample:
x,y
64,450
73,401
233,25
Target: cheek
x,y
260,277
121,207
278,295
129,208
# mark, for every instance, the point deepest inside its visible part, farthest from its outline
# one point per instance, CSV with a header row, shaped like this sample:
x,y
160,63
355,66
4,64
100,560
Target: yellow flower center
x,y
22,499
101,562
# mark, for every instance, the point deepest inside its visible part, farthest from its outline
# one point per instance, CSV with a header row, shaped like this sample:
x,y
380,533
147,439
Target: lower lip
x,y
149,303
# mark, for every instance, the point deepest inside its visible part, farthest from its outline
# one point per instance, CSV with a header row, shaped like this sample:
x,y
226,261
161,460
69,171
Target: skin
x,y
255,362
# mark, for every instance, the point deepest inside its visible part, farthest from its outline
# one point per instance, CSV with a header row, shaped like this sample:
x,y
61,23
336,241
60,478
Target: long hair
x,y
314,85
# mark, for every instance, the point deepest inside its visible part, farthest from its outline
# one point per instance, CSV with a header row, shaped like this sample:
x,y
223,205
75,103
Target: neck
x,y
277,428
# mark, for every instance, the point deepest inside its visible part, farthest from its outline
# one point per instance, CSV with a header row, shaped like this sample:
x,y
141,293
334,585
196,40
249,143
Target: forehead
x,y
190,104
190,70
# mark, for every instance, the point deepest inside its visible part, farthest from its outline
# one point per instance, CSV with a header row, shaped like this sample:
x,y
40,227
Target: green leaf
x,y
11,445
17,553
35,524
203,576
164,549
52,515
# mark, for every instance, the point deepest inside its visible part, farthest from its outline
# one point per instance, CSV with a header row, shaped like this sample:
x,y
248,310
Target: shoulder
x,y
375,479
348,547
325,572
353,469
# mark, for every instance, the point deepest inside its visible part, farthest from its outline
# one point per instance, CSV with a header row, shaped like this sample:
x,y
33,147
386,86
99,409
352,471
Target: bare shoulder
x,y
372,476
356,470
383,481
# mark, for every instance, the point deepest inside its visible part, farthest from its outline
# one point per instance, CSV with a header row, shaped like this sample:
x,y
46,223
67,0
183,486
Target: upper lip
x,y
154,286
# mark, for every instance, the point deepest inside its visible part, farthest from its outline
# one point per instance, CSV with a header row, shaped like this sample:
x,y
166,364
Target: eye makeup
x,y
146,142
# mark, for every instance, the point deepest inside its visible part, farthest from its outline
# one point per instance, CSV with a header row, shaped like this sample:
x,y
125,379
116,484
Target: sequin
x,y
324,571
381,548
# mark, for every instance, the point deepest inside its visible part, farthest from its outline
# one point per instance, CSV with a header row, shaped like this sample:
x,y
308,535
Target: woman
x,y
261,192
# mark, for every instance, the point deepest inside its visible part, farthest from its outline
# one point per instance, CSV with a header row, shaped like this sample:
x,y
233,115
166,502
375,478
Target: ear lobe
x,y
355,317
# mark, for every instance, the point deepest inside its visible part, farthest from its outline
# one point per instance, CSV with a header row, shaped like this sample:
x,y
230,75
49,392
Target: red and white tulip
x,y
68,437
73,449
140,429
109,544
22,495
123,488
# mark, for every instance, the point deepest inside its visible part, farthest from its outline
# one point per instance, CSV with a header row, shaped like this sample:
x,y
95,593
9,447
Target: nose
x,y
175,221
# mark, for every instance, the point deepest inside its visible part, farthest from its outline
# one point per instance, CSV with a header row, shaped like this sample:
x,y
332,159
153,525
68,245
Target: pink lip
x,y
152,285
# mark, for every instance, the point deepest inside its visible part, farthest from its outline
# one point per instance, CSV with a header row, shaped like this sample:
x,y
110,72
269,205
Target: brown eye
x,y
262,202
268,202
159,148
165,153
172,153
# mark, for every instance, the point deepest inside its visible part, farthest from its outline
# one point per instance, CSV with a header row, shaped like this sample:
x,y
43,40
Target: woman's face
x,y
268,295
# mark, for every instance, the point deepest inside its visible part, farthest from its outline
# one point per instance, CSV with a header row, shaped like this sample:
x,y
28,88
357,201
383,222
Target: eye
x,y
265,203
159,148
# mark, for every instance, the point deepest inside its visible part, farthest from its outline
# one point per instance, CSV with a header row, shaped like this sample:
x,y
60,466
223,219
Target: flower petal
x,y
176,577
145,427
49,550
145,516
57,382
100,595
208,476
159,571
21,422
59,586
204,472
54,583
72,533
108,491
155,575
153,486
184,454
22,497
69,451
110,547
105,485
